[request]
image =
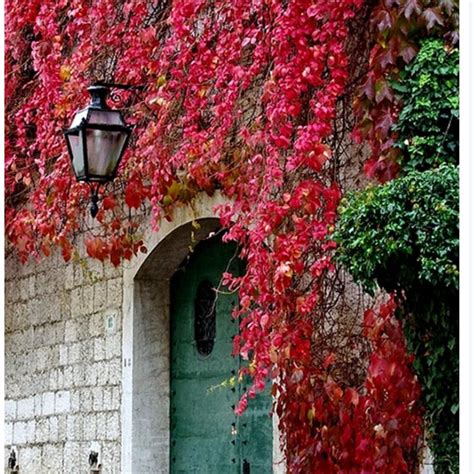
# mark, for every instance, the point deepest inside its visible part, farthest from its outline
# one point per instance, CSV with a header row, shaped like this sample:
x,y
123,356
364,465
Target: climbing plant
x,y
403,237
428,125
255,99
404,233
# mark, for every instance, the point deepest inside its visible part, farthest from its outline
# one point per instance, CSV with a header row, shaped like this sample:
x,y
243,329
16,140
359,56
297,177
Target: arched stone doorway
x,y
146,340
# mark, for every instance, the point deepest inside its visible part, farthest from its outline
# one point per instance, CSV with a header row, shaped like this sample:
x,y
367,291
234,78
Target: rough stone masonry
x,y
62,365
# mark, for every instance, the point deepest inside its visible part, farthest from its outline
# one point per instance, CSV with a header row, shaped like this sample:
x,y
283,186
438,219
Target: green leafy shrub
x,y
403,233
428,124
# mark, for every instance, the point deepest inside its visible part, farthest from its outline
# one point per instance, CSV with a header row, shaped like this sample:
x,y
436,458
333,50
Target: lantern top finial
x,y
99,95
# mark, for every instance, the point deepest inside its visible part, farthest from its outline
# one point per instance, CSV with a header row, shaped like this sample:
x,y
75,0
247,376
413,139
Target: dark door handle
x,y
246,467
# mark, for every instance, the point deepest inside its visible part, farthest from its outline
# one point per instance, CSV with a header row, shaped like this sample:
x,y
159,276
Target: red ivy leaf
x,y
408,53
133,197
383,20
410,7
108,203
432,16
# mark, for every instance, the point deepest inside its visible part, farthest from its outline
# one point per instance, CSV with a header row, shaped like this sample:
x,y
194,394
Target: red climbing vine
x,y
252,98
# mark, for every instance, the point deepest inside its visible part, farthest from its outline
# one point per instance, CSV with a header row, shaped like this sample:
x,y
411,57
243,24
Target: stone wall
x,y
67,391
63,371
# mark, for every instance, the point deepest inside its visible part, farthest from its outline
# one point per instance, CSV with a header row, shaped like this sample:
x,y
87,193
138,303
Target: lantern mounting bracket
x,y
94,209
113,85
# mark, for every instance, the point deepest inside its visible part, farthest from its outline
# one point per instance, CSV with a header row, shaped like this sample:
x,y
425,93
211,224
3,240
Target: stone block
x,y
53,380
113,346
62,428
10,323
39,336
115,371
20,341
111,457
96,326
88,296
89,426
12,366
57,332
63,354
34,383
48,403
38,404
30,431
12,387
54,429
63,402
65,307
20,316
76,302
69,277
10,410
42,430
99,349
60,379
29,459
78,275
47,309
25,408
102,373
86,350
44,358
87,400
114,293
111,271
8,434
73,428
23,364
100,296
79,378
31,286
11,293
98,398
95,269
113,426
20,432
91,375
24,286
52,457
75,401
72,457
116,398
108,399
101,426
74,353
71,331
68,377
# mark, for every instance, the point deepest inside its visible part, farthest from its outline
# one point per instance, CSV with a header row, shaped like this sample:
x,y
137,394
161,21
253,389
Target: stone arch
x,y
145,345
146,338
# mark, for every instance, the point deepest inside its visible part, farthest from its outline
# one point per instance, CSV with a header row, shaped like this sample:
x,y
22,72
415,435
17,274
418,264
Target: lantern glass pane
x,y
109,117
79,117
77,149
103,151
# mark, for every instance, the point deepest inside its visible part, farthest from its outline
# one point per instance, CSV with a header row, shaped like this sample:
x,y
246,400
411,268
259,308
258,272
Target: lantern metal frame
x,y
99,92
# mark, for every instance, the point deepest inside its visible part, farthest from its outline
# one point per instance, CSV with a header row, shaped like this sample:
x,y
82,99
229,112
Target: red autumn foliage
x,y
245,97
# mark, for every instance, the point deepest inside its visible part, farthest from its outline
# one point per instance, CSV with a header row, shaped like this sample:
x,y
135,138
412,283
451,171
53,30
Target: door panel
x,y
206,436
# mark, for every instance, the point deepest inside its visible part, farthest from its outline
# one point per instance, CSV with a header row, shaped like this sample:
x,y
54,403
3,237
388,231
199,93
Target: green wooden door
x,y
206,436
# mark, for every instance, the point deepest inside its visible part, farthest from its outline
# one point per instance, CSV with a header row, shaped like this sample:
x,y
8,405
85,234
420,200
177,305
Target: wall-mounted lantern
x,y
97,140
